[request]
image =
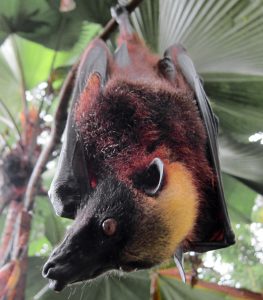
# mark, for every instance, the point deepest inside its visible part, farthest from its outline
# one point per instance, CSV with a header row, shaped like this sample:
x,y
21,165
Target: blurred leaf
x,y
9,82
243,161
54,229
39,244
170,289
39,22
27,17
94,11
2,221
39,247
34,281
47,229
42,22
237,97
240,200
257,214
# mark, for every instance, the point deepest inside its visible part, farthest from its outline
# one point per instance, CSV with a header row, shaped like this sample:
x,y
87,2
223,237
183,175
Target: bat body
x,y
138,170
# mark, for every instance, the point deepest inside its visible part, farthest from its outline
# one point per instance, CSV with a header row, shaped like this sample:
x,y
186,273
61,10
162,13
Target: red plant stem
x,y
5,275
7,236
154,291
20,254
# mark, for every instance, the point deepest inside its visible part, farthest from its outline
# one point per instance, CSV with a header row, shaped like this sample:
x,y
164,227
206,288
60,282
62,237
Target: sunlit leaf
x,y
221,36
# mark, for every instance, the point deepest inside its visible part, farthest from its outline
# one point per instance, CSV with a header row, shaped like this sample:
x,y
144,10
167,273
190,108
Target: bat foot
x,y
121,15
117,12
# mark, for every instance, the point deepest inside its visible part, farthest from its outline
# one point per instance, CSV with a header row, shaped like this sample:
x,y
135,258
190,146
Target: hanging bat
x,y
139,169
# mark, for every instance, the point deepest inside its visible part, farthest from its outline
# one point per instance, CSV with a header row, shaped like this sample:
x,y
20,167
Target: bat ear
x,y
167,69
223,235
70,185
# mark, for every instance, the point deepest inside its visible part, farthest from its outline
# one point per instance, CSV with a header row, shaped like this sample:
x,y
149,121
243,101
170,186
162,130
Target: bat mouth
x,y
56,285
59,281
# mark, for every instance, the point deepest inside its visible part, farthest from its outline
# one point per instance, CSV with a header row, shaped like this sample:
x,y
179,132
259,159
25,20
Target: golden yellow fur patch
x,y
178,204
166,220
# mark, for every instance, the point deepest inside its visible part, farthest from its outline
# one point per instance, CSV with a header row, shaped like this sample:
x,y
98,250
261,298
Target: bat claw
x,y
179,261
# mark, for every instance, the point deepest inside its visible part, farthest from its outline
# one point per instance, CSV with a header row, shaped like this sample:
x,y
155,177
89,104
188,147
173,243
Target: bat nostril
x,y
47,267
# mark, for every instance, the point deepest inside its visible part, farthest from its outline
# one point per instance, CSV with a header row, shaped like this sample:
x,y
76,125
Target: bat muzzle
x,y
54,273
62,270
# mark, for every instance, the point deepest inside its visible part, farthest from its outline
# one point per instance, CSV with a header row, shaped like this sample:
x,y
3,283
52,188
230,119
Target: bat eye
x,y
109,226
151,179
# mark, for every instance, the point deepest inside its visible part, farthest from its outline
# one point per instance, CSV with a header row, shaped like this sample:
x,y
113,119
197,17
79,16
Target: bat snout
x,y
62,267
66,266
95,242
61,274
54,272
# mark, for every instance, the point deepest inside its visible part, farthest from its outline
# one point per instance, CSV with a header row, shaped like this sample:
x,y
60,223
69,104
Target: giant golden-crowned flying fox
x,y
138,169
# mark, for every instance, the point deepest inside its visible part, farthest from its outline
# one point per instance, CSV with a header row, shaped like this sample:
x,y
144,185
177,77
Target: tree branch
x,y
7,236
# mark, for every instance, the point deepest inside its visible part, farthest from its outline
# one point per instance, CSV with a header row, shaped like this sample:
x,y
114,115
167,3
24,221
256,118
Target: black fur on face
x,y
87,251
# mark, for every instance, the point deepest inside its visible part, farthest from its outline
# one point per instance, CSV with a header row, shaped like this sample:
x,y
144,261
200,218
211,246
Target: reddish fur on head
x,y
88,96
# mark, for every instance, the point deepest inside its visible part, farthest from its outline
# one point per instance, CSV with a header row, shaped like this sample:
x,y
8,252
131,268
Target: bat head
x,y
141,156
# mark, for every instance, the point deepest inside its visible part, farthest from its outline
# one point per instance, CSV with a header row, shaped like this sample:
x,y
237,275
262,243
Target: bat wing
x,y
223,236
70,185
